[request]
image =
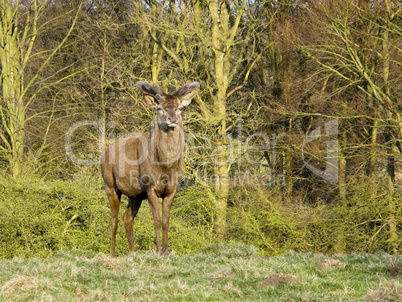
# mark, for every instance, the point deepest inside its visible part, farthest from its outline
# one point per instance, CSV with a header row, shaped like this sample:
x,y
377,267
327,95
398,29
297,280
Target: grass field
x,y
221,272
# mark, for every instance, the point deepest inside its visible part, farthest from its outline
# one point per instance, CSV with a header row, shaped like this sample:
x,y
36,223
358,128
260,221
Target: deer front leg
x,y
154,205
114,200
166,205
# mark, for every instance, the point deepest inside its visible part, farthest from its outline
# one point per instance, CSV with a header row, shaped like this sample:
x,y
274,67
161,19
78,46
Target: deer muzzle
x,y
172,121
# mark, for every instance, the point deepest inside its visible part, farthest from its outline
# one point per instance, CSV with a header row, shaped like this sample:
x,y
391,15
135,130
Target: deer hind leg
x,y
134,205
114,200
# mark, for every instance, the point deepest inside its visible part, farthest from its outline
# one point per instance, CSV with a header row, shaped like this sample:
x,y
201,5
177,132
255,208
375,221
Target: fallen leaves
x,y
79,292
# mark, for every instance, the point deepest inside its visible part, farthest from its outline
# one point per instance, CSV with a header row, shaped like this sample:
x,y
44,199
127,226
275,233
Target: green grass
x,y
220,272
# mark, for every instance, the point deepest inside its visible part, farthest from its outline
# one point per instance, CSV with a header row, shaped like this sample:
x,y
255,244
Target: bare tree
x,y
356,49
18,33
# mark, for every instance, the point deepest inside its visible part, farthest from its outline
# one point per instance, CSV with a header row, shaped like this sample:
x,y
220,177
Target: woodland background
x,y
268,69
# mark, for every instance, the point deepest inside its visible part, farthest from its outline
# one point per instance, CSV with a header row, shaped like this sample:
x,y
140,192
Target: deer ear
x,y
186,99
152,101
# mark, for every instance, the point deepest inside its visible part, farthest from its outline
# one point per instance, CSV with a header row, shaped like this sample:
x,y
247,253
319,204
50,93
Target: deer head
x,y
169,106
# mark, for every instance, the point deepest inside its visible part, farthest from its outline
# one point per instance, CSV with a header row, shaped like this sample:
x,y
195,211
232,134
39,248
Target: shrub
x,y
273,222
39,217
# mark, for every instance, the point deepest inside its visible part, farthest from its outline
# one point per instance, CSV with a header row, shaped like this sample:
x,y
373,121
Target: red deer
x,y
148,166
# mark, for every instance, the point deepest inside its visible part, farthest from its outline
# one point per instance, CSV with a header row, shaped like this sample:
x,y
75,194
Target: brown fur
x,y
148,166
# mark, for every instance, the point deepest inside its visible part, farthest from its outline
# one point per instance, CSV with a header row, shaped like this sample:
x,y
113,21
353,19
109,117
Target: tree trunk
x,y
393,232
219,111
12,107
340,245
223,33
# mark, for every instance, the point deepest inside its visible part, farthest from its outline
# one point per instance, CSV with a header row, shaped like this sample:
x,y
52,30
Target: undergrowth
x,y
39,218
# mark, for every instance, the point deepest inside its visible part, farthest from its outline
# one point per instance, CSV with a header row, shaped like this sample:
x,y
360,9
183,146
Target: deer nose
x,y
172,120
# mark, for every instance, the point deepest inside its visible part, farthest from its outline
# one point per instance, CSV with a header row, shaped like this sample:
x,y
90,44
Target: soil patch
x,y
396,270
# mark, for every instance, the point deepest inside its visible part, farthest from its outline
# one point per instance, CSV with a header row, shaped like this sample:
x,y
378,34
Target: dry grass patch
x,y
389,292
22,283
330,264
226,272
107,262
279,279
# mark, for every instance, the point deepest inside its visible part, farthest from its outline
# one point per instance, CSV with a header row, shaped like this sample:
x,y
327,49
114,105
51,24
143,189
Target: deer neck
x,y
166,145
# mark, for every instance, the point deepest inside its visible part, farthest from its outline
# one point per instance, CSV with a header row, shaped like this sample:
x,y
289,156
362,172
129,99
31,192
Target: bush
x,y
258,216
274,223
40,217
